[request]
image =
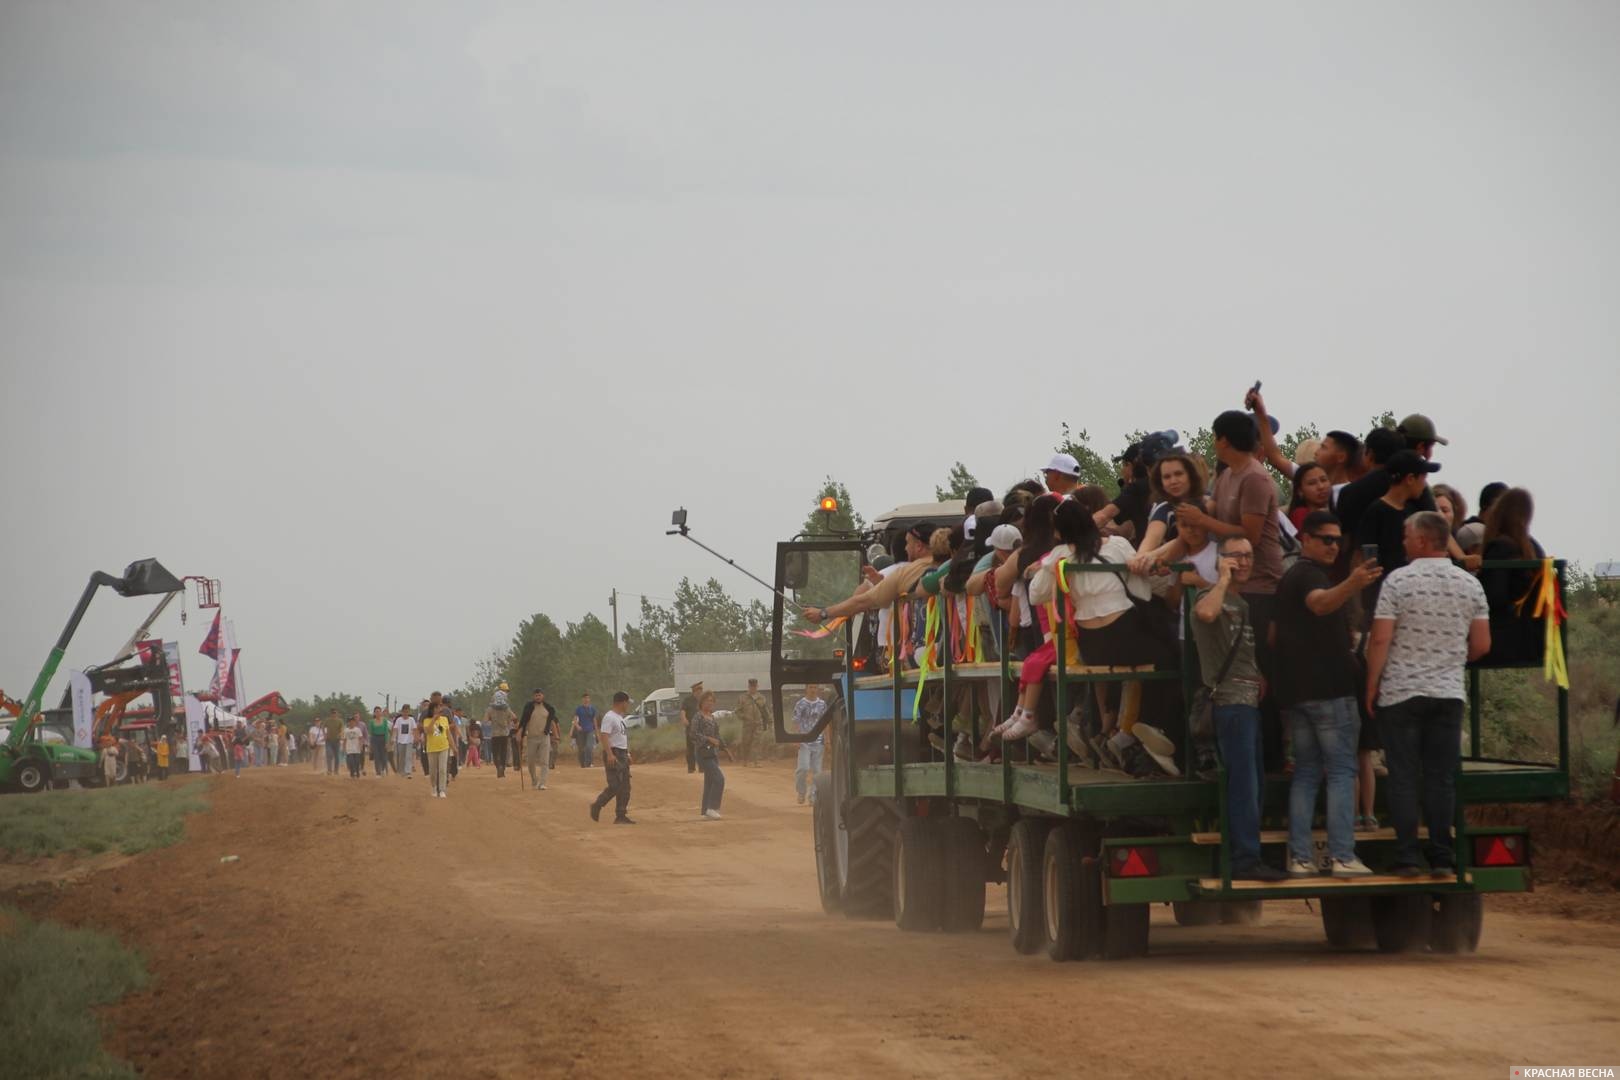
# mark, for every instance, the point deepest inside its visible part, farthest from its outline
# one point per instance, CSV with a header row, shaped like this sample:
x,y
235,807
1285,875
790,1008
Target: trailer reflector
x,y
1499,851
1134,862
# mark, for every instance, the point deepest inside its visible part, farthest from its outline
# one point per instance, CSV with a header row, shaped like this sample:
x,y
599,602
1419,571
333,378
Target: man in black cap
x,y
689,711
1381,532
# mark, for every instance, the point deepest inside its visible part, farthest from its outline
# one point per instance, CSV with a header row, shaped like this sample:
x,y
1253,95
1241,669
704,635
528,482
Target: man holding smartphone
x,y
1381,530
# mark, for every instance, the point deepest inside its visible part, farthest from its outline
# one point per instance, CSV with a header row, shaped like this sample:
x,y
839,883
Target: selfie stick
x,y
680,529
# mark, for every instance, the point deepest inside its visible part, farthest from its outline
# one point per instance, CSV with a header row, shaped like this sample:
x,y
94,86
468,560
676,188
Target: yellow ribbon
x,y
930,631
1546,605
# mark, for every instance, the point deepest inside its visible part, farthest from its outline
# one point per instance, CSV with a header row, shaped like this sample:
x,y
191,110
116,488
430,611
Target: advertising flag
x,y
215,639
84,713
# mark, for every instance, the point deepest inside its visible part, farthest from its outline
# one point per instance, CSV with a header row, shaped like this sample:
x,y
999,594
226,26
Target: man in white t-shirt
x,y
404,740
613,735
317,744
1431,620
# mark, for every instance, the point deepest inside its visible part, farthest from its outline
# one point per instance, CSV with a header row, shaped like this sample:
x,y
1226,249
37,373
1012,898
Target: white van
x,y
659,707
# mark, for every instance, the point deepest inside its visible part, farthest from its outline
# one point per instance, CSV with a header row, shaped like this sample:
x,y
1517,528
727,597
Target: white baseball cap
x,y
1005,537
1063,463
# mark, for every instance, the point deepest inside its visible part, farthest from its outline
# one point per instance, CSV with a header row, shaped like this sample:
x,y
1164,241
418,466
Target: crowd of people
x,y
1328,628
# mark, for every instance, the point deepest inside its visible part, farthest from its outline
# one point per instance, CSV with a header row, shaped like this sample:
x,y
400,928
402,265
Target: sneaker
x,y
1259,872
1107,757
963,748
1407,871
1155,740
801,800
623,821
596,812
1351,867
712,815
542,787
1044,743
1021,728
936,741
1301,868
1442,870
1139,763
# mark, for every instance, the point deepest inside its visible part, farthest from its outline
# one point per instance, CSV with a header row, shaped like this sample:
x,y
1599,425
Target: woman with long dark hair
x,y
1313,490
1517,636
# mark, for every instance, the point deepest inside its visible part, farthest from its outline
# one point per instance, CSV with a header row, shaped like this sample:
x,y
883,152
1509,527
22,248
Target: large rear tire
x,y
1457,922
1061,890
866,859
824,829
966,870
1026,847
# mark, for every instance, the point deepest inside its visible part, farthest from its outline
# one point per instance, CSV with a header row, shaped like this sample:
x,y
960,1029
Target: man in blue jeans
x,y
1316,688
1431,619
1226,658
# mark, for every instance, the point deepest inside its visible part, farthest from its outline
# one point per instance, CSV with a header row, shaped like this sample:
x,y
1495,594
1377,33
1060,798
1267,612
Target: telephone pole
x,y
613,602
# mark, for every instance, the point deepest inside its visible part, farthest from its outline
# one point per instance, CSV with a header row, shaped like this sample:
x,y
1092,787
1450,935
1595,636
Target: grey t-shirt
x,y
1214,640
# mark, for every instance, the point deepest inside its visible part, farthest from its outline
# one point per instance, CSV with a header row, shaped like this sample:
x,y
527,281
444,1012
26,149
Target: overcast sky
x,y
407,321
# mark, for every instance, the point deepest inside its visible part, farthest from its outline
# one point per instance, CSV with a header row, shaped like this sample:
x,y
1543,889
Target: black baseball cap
x,y
1404,463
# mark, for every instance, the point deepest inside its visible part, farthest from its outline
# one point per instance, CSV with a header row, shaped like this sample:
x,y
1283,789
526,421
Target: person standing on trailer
x,y
615,739
807,713
1432,619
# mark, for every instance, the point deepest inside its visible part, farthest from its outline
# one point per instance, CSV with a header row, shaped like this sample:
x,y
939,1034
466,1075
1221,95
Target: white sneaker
x,y
1302,868
542,787
712,815
1351,867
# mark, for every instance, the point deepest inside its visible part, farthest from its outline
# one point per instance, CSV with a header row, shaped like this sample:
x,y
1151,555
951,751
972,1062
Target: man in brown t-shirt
x,y
1246,505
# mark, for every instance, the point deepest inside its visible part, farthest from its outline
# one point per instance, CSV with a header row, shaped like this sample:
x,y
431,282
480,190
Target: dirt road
x,y
369,930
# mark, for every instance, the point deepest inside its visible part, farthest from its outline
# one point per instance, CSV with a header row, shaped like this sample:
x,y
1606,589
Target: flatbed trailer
x,y
903,829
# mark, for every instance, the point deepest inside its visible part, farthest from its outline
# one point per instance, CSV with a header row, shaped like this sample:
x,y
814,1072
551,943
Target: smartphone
x,y
1255,389
1369,552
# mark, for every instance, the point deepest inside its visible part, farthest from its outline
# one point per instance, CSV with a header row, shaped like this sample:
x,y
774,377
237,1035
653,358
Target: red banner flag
x,y
214,641
272,703
230,679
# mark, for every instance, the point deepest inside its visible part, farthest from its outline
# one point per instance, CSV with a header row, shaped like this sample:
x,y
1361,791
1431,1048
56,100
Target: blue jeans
x,y
1422,744
1325,735
809,764
1237,734
714,782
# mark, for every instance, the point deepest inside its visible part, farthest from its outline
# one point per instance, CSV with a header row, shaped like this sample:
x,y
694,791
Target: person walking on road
x,y
378,730
689,711
404,738
334,741
354,745
754,710
583,730
615,740
475,744
317,744
807,712
537,737
436,731
498,719
706,740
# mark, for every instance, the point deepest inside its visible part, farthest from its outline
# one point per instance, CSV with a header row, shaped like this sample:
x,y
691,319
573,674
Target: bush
x,y
130,819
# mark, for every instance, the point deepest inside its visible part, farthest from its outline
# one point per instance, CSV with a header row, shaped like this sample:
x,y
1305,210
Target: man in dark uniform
x,y
689,711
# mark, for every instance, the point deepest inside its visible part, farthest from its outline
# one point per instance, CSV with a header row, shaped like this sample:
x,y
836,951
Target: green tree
x,y
957,484
842,522
1094,468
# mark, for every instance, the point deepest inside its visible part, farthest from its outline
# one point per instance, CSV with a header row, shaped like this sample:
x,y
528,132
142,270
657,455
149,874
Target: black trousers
x,y
618,787
691,753
497,750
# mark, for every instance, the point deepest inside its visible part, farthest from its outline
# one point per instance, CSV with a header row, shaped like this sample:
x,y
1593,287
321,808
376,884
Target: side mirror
x,y
796,570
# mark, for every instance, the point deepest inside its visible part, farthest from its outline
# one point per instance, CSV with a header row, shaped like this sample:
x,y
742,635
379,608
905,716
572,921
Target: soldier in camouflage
x,y
754,710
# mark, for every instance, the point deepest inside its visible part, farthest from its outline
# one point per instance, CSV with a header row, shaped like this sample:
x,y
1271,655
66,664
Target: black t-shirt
x,y
1356,496
1384,525
1313,651
689,706
1134,501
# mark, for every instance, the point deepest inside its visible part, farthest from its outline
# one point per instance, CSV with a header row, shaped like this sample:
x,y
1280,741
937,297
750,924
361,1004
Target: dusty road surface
x,y
368,930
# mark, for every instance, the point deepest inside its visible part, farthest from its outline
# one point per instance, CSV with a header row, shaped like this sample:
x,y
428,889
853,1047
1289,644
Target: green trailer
x,y
903,829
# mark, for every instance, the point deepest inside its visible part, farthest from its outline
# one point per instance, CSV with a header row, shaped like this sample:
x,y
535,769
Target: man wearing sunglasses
x,y
1316,688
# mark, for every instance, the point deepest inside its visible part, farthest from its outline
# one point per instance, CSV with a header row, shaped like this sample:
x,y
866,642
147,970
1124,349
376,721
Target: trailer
x,y
904,830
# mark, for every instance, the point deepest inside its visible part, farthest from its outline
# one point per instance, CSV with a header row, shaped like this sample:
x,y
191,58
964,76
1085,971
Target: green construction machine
x,y
30,760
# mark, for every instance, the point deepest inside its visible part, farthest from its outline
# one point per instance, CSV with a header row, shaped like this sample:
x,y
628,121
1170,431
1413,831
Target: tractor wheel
x,y
966,863
1458,920
919,870
824,829
1196,912
1025,851
1124,931
32,775
1241,912
1347,921
1401,922
1061,889
865,850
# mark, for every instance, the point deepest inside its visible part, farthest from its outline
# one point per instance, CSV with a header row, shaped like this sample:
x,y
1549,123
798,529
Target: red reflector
x,y
859,663
1498,851
1135,862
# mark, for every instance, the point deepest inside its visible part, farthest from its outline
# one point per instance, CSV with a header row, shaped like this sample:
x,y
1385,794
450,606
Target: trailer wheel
x,y
919,865
1457,921
1025,849
32,775
1401,922
966,863
1347,921
1196,912
1124,931
1241,912
824,829
1061,896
